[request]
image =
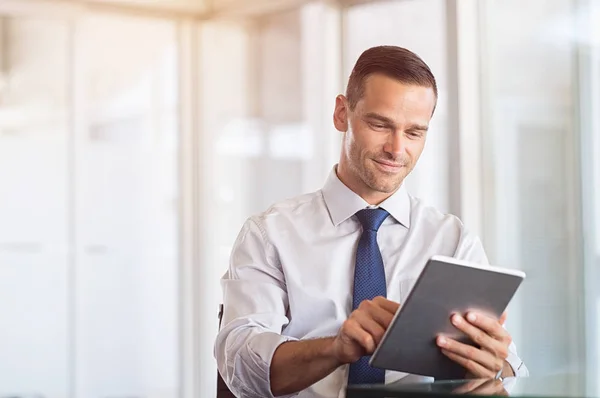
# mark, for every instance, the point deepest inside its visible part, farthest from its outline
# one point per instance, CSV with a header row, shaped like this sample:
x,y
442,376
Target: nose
x,y
395,145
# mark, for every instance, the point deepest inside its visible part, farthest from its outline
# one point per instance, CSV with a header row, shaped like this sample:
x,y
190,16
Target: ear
x,y
340,114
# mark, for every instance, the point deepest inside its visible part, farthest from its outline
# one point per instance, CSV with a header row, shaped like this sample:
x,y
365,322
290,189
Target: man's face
x,y
384,134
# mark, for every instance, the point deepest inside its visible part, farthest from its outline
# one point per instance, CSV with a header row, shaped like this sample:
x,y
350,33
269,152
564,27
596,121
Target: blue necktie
x,y
369,282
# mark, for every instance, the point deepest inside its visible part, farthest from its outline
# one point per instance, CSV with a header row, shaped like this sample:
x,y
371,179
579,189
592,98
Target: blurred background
x,y
137,136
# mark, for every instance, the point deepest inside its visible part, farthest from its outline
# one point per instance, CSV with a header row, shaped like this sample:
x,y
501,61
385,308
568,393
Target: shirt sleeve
x,y
471,249
255,303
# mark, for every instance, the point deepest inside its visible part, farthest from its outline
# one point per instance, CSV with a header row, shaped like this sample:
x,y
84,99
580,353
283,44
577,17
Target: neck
x,y
357,186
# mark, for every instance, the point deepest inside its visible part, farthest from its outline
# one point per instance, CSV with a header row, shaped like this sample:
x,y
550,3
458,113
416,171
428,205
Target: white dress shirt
x,y
291,277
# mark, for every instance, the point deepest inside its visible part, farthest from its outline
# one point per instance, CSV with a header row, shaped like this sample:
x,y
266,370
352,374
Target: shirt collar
x,y
342,203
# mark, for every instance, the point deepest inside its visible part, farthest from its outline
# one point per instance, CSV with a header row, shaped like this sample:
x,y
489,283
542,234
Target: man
x,y
315,281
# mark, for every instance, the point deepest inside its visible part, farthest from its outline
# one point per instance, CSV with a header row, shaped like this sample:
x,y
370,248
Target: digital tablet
x,y
445,286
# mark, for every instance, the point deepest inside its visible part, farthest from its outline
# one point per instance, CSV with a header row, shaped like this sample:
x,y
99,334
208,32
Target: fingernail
x,y
441,341
456,320
471,317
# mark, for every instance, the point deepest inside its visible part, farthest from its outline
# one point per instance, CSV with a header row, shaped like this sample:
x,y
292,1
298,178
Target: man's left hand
x,y
489,355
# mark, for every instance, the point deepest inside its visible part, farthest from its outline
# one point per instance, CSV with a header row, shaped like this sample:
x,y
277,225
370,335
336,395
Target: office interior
x,y
137,136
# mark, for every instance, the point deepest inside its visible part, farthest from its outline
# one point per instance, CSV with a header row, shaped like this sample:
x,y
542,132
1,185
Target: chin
x,y
389,184
388,189
382,182
384,187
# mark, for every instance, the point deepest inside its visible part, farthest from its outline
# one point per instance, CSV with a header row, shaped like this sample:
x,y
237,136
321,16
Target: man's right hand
x,y
362,331
299,364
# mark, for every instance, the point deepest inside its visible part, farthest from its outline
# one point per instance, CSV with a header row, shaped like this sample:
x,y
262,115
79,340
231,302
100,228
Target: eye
x,y
377,126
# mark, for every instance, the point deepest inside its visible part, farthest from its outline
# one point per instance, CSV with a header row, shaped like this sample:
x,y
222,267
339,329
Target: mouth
x,y
388,167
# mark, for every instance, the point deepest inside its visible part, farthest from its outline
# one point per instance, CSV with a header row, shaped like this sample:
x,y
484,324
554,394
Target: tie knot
x,y
371,219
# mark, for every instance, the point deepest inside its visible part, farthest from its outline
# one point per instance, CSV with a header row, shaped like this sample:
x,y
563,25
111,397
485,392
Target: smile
x,y
388,167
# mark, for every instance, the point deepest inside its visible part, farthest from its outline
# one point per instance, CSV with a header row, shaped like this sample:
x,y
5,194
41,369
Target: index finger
x,y
388,305
486,323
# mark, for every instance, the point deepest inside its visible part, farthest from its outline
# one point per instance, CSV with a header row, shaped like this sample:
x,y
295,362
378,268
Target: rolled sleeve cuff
x,y
253,374
517,365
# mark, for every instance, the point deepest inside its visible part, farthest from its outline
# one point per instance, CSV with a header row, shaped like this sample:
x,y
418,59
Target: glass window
x,y
268,87
532,205
34,207
127,293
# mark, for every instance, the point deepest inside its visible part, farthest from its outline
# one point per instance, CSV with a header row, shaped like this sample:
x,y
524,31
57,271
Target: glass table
x,y
562,385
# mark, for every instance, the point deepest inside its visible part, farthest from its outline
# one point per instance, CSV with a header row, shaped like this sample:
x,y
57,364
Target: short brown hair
x,y
393,61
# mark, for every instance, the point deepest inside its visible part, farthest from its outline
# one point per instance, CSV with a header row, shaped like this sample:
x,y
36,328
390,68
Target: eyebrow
x,y
387,120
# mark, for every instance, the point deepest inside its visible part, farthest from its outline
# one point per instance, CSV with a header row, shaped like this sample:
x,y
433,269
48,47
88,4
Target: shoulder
x,y
449,228
262,233
423,212
289,211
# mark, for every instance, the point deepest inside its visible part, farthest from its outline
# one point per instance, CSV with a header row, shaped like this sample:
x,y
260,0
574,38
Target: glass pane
x,y
532,205
258,134
127,242
34,175
589,51
266,131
